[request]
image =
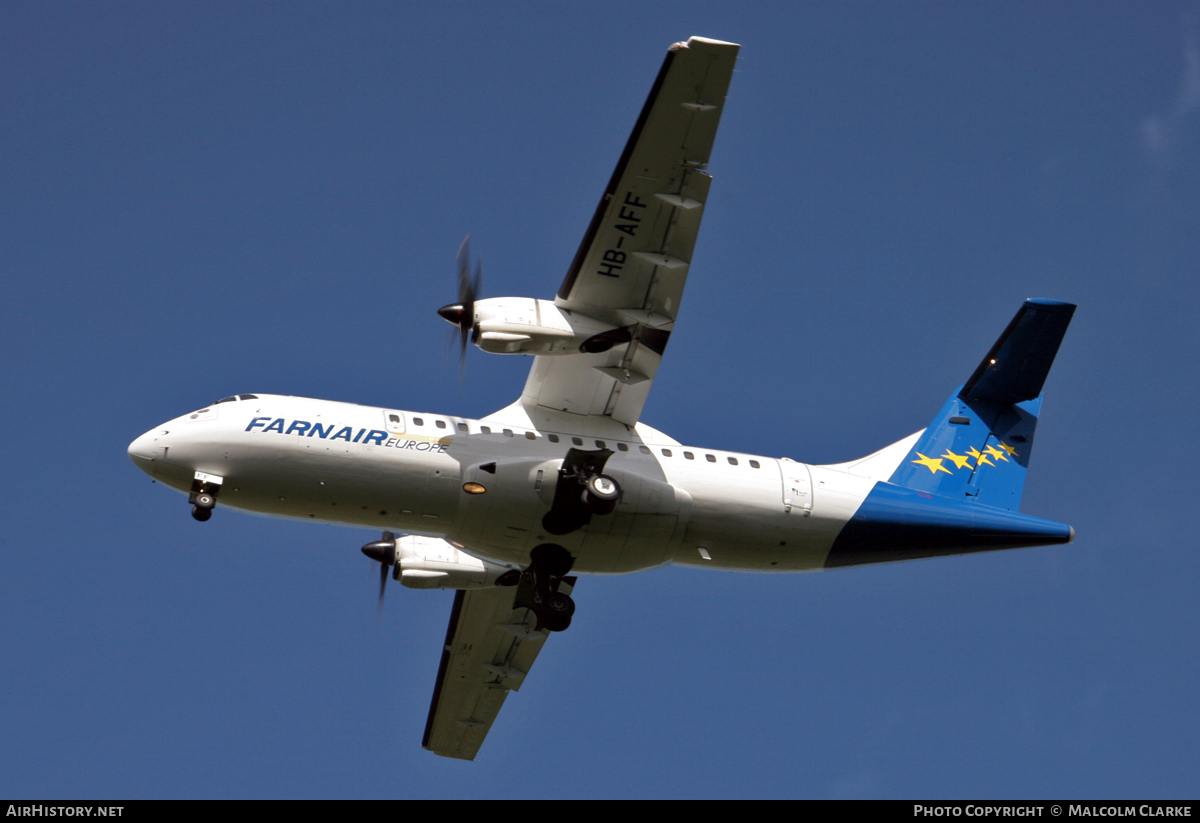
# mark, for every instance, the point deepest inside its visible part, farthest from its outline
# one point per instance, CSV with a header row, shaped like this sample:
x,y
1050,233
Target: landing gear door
x,y
797,487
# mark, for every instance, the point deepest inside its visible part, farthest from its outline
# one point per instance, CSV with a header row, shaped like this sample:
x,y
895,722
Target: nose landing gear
x,y
203,496
539,583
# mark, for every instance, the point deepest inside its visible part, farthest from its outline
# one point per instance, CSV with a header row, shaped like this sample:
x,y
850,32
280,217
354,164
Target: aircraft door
x,y
797,487
393,421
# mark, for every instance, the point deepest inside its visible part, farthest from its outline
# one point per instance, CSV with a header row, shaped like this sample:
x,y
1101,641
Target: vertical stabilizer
x,y
978,446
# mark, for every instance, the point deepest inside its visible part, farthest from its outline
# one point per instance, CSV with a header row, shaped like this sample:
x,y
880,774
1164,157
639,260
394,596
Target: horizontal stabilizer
x,y
1016,367
896,523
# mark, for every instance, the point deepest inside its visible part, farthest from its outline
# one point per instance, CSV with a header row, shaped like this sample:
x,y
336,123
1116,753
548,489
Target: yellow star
x,y
1009,449
934,464
995,452
960,460
980,459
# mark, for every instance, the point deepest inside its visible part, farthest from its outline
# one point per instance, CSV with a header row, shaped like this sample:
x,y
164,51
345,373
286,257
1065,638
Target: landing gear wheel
x,y
555,623
600,494
201,513
560,605
204,500
557,611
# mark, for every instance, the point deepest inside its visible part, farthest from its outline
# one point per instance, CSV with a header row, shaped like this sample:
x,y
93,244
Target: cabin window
x,y
711,458
754,464
622,447
643,450
666,452
600,444
530,436
578,441
441,424
732,461
689,456
418,421
553,438
462,427
486,429
508,433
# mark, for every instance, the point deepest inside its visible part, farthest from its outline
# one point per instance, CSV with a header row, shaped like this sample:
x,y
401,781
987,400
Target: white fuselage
x,y
405,471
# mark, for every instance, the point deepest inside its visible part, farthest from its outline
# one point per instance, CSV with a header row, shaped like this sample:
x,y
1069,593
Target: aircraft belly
x,y
505,522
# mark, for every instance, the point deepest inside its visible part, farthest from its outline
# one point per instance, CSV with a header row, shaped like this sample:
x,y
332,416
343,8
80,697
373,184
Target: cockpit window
x,y
247,397
236,397
226,400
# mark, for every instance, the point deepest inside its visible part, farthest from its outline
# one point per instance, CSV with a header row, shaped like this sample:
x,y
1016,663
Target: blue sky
x,y
205,199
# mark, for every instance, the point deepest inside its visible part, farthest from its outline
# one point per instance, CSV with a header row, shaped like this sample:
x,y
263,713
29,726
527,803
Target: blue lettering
x,y
360,434
256,422
344,434
408,444
390,442
277,426
376,437
299,427
419,445
322,431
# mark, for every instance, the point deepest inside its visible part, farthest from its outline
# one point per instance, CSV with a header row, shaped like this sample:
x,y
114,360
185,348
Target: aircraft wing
x,y
633,262
489,649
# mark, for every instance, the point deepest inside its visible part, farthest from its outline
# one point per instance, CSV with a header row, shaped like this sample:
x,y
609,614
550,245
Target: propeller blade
x,y
383,552
462,313
463,259
383,576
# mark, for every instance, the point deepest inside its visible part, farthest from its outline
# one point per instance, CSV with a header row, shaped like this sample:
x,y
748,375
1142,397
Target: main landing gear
x,y
583,490
537,589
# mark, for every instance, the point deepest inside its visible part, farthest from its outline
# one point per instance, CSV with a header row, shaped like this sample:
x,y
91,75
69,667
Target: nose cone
x,y
141,452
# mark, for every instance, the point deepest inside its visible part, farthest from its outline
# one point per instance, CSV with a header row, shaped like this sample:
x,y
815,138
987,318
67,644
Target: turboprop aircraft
x,y
567,480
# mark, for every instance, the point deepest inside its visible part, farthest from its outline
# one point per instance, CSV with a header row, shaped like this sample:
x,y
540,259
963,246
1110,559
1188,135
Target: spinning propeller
x,y
384,552
462,313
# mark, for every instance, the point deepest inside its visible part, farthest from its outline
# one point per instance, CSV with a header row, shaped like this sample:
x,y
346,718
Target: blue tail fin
x,y
979,444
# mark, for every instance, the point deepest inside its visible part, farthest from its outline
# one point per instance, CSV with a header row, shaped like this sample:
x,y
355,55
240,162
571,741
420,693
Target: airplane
x,y
508,510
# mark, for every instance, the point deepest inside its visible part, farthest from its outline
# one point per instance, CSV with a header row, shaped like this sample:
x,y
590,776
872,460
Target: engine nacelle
x,y
523,325
432,563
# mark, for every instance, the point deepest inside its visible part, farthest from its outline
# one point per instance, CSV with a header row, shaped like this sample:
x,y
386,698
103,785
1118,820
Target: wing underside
x,y
488,651
632,265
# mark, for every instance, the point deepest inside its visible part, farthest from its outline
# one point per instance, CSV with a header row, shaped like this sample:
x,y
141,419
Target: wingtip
x,y
702,43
